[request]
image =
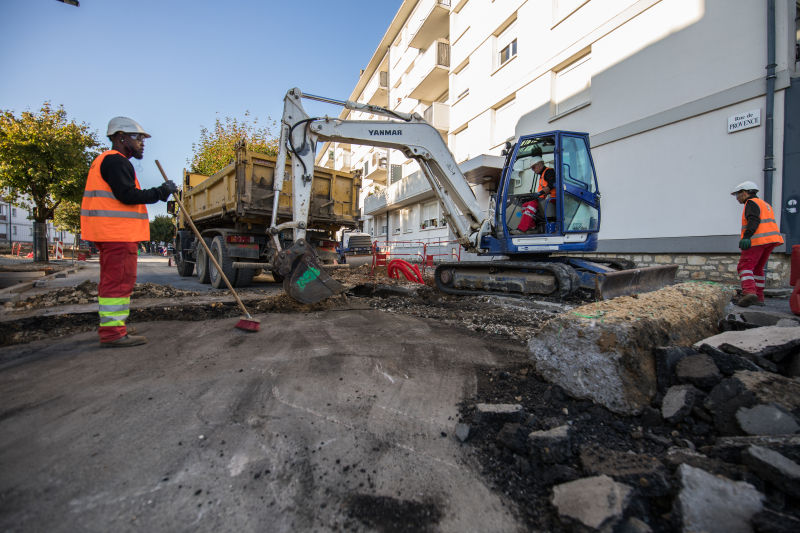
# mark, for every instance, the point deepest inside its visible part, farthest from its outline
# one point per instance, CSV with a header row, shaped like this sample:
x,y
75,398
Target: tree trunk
x,y
40,242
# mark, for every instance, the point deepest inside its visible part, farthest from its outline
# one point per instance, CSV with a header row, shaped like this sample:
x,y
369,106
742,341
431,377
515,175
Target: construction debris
x,y
605,351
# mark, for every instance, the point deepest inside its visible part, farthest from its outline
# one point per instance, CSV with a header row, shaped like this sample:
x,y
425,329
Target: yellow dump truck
x,y
232,209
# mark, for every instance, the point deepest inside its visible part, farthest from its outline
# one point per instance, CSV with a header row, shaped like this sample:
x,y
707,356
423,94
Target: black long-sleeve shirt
x,y
120,176
752,213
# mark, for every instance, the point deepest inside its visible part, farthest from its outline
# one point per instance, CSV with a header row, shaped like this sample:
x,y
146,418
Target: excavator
x,y
541,261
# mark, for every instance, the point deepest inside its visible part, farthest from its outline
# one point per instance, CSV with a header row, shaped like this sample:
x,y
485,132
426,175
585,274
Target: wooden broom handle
x,y
203,243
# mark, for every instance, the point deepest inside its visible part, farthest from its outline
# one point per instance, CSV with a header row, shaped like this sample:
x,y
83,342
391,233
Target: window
x,y
508,52
13,230
576,165
13,211
507,44
461,83
30,231
505,120
384,220
430,215
2,207
396,222
397,173
330,155
406,215
366,168
573,86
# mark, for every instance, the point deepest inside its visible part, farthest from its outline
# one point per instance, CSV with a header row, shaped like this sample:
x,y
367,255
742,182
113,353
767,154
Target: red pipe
x,y
398,266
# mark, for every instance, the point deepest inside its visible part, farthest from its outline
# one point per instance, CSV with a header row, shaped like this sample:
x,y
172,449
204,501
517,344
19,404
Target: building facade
x,y
671,92
16,227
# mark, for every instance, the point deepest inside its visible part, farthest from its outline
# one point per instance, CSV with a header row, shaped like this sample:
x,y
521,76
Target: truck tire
x,y
185,268
244,277
203,272
220,253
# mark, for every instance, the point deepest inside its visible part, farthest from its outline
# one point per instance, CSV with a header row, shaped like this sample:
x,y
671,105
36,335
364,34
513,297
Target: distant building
x,y
661,86
15,226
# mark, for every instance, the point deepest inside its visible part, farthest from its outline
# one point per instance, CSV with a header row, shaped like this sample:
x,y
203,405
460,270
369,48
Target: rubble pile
x,y
153,290
715,449
83,293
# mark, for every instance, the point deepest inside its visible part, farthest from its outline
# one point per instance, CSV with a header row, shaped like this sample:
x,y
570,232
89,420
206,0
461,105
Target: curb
x,y
22,287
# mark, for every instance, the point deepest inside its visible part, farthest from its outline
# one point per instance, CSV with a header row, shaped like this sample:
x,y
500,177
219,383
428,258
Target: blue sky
x,y
174,65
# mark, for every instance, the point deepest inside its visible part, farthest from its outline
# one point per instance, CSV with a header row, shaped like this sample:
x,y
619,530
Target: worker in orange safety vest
x,y
547,187
760,235
114,218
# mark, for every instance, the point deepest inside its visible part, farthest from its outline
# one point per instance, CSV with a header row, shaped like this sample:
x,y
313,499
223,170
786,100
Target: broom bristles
x,y
248,324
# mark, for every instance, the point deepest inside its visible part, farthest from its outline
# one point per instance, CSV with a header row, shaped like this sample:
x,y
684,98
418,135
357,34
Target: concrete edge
x,y
22,287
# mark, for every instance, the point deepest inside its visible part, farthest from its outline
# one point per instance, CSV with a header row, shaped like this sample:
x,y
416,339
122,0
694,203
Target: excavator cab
x,y
569,220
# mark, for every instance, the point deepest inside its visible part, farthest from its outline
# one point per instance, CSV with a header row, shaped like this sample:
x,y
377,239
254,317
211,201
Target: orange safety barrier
x,y
428,262
380,254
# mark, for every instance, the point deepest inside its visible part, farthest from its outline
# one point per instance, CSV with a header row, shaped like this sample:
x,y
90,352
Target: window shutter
x,y
504,122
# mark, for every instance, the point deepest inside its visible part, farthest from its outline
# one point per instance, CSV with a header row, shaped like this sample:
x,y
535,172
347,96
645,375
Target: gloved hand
x,y
170,186
744,244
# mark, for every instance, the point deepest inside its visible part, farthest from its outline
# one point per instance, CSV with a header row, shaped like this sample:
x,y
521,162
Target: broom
x,y
246,322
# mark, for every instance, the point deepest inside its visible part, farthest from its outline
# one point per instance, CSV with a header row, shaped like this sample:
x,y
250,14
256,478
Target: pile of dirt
x,y
83,293
152,290
365,274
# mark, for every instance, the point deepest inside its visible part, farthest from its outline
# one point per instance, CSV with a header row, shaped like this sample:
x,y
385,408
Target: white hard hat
x,y
536,159
746,186
125,125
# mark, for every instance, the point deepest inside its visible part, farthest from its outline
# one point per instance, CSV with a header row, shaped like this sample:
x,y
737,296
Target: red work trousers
x,y
528,211
751,269
117,278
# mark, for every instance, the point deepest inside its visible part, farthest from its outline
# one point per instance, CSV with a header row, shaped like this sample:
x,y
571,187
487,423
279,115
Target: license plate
x,y
540,248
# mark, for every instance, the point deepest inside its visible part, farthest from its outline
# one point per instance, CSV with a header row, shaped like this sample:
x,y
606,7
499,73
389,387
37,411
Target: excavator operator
x,y
547,186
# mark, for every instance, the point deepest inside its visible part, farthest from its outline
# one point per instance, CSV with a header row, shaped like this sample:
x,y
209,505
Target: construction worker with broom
x,y
114,218
760,235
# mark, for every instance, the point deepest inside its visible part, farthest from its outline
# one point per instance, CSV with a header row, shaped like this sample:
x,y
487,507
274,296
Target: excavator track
x,y
506,278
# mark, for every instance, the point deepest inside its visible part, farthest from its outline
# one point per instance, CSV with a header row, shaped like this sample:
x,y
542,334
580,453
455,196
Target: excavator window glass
x,y
579,216
523,183
576,167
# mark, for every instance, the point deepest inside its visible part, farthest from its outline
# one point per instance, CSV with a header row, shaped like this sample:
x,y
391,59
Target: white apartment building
x,y
16,227
656,84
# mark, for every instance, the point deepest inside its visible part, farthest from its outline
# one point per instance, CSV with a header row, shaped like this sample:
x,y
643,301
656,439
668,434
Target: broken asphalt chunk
x,y
500,412
713,504
551,446
698,370
593,503
766,420
774,468
678,402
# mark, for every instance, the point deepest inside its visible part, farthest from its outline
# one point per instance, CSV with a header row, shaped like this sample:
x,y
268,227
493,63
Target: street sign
x,y
743,121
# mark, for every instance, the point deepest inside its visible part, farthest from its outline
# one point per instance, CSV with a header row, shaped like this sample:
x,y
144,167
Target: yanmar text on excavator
x,y
541,260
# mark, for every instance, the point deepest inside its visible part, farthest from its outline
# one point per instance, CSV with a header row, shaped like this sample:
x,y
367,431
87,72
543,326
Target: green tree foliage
x,y
216,147
68,216
44,159
162,229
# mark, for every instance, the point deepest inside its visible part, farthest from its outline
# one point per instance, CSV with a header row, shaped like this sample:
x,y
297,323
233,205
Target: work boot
x,y
515,232
125,341
131,330
747,300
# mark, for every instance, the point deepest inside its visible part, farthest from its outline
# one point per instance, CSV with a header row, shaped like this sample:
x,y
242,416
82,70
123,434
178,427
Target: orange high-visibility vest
x,y
542,183
106,219
767,231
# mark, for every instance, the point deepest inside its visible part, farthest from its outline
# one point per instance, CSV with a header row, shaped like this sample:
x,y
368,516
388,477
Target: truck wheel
x,y
185,268
203,272
220,253
277,277
244,277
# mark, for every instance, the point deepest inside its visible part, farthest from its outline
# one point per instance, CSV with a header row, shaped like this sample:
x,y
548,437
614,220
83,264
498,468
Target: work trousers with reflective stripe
x,y
528,212
751,269
117,278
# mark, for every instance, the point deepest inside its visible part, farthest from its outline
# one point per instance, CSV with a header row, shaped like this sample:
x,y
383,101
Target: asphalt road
x,y
317,422
150,269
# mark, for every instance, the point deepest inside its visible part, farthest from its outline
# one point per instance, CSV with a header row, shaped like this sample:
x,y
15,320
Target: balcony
x,y
343,161
433,17
438,116
410,190
377,90
375,167
429,77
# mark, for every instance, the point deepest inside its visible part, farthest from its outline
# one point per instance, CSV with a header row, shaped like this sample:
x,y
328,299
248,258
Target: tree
x,y
162,229
44,162
216,147
68,216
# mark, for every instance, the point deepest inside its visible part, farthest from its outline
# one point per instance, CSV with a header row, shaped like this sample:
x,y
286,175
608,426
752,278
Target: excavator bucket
x,y
627,282
308,283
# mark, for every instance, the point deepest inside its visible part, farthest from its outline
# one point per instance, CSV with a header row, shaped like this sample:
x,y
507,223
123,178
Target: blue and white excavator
x,y
542,261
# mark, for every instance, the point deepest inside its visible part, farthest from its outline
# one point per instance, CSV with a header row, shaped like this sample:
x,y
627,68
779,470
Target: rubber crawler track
x,y
567,278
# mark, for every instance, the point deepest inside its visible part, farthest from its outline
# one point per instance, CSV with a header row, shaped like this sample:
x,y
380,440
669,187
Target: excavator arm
x,y
411,134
